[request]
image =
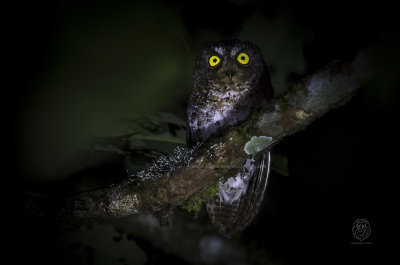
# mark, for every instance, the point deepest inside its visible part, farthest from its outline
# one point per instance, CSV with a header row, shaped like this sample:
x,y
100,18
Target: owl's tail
x,y
235,215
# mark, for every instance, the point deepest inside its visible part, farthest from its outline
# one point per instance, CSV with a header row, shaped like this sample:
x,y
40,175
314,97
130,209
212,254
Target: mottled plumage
x,y
230,81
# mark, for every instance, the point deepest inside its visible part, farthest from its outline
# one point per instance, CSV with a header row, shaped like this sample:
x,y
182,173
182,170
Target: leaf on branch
x,y
257,144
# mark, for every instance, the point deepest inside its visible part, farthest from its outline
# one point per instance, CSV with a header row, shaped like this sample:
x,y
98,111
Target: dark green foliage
x,y
152,136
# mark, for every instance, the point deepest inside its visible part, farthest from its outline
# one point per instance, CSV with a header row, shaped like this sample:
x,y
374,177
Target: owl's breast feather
x,y
217,110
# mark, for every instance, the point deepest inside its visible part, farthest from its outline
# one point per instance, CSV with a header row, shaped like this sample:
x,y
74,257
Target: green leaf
x,y
163,137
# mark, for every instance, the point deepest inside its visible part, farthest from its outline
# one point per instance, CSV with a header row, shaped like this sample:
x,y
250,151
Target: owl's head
x,y
232,63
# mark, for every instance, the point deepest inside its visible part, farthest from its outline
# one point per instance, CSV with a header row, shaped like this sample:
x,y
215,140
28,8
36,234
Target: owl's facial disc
x,y
232,64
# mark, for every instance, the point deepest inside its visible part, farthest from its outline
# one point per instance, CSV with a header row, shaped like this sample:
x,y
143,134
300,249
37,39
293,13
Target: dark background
x,y
82,68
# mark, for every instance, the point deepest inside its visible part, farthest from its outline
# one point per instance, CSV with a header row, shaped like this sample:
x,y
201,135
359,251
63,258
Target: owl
x,y
230,81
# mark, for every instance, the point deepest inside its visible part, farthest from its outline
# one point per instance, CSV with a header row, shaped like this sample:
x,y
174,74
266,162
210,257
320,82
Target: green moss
x,y
236,137
284,105
195,203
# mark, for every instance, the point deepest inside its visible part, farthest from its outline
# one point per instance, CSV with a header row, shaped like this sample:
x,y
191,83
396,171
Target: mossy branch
x,y
311,98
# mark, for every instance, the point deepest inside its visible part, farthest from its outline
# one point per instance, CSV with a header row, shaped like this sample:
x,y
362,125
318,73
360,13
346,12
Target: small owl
x,y
230,81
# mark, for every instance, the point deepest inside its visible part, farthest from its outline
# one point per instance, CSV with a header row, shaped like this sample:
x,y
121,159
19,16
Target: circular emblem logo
x,y
361,229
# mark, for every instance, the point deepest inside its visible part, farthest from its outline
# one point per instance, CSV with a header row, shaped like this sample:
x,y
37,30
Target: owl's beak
x,y
230,74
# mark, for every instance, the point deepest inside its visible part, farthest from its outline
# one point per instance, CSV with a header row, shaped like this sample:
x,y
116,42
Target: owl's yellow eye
x,y
243,58
214,60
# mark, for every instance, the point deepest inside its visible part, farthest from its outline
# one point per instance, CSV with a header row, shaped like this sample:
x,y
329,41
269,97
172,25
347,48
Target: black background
x,y
340,166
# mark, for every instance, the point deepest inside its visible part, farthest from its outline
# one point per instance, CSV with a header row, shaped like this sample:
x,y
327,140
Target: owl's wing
x,y
235,215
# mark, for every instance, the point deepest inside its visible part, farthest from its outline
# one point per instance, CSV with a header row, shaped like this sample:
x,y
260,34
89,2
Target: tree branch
x,y
223,154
